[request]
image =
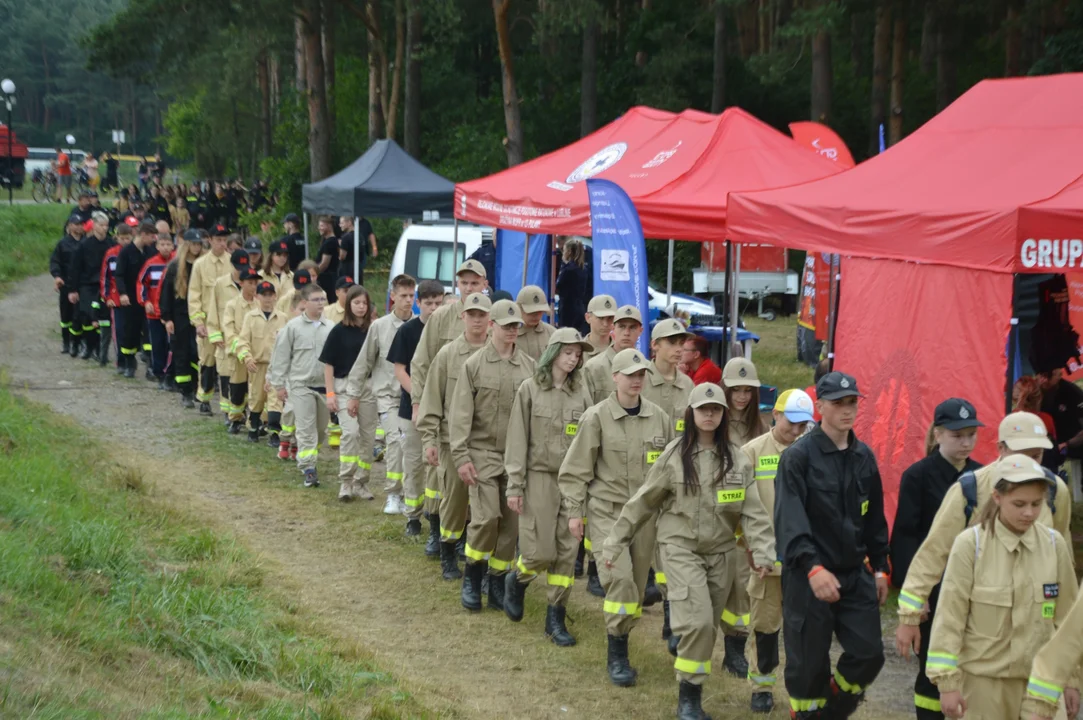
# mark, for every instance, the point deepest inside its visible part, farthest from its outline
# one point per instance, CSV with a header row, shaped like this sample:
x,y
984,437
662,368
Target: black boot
x,y
90,346
449,564
253,427
555,629
762,702
594,585
413,527
514,594
841,705
148,374
496,592
76,345
103,350
273,440
734,661
460,547
235,428
652,595
621,672
471,595
432,546
65,336
205,409
162,384
667,632
129,366
187,401
690,702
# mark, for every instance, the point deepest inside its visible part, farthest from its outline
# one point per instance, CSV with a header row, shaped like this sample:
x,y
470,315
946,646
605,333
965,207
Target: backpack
x,y
968,483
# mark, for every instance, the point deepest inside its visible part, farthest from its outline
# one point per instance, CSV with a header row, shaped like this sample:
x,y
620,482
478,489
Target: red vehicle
x,y
13,167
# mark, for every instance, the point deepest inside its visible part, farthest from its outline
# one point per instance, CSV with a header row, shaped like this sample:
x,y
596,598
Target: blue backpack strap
x,y
968,483
1051,497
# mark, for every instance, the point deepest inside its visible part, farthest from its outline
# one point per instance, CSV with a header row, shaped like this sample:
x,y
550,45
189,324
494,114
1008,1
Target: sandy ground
x,y
351,569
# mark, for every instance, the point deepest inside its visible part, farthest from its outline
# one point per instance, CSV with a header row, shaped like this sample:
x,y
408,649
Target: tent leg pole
x,y
553,262
526,259
455,252
833,312
357,252
669,275
304,220
1013,338
734,299
726,322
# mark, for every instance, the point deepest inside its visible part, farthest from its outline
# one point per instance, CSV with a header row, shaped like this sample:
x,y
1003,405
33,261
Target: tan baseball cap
x,y
532,299
1020,469
1023,431
569,336
707,394
628,312
478,301
472,266
505,312
602,306
630,361
740,372
668,328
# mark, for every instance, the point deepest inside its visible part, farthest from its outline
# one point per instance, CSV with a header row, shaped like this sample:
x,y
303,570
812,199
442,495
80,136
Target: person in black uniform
x,y
952,437
174,307
59,267
829,516
328,255
83,285
486,255
129,263
197,211
296,240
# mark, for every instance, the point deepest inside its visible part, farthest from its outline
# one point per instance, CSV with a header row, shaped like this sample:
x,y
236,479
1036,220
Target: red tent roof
x,y
949,194
677,168
1058,218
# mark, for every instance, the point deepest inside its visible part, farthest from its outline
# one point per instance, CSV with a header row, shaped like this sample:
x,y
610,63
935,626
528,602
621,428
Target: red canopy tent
x,y
931,234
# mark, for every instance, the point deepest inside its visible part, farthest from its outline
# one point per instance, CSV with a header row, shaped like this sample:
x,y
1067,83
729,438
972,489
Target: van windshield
x,y
432,260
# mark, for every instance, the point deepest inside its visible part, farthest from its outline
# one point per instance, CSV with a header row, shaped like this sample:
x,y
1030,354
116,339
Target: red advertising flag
x,y
823,140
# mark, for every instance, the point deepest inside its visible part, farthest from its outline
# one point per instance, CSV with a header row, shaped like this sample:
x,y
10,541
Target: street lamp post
x,y
8,88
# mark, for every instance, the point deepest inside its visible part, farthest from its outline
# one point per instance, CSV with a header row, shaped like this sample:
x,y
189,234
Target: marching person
x,y
149,292
599,317
283,409
1009,584
617,442
339,356
951,438
829,517
335,310
254,346
333,314
544,418
225,289
372,378
627,326
704,488
276,267
792,414
433,417
534,334
205,273
107,307
174,309
297,374
83,285
1019,433
59,267
1055,671
478,427
232,322
130,261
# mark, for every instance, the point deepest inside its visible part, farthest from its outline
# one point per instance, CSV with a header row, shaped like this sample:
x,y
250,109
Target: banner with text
x,y
620,254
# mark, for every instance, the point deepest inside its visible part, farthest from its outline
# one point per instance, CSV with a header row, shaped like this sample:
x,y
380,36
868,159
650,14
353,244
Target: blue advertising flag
x,y
620,254
509,262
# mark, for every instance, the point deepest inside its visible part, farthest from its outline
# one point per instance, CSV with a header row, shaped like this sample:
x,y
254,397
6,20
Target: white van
x,y
424,250
41,158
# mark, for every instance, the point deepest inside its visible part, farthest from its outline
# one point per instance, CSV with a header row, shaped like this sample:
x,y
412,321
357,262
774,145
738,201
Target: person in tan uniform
x,y
287,440
792,414
699,490
1008,584
432,422
226,288
232,322
305,271
601,310
1019,433
627,326
335,310
1056,672
544,418
534,334
254,346
205,273
617,442
478,426
276,267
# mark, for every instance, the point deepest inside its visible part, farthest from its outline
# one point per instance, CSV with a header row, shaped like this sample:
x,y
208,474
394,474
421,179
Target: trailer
x,y
12,169
762,272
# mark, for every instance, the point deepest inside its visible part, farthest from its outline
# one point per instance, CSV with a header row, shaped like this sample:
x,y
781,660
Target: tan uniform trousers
x,y
354,463
289,423
224,362
413,461
205,349
625,583
698,587
257,395
454,498
545,543
311,418
432,484
239,377
735,616
393,446
765,617
494,527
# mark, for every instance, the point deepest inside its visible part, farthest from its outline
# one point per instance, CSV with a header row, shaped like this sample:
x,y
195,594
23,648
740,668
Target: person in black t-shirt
x,y
328,255
1063,401
296,240
418,473
366,242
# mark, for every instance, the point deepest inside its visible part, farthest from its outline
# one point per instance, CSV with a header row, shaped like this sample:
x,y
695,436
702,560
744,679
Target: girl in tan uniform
x,y
1056,671
544,418
276,267
1008,584
703,487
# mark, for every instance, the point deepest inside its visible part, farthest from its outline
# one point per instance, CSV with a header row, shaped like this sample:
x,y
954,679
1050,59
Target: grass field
x,y
27,236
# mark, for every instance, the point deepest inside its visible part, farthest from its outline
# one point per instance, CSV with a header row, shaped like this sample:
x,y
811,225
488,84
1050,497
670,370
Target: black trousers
x,y
808,626
926,695
85,311
131,321
67,310
185,365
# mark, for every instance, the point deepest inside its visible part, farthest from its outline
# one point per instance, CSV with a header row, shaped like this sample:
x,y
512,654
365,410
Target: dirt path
x,y
350,567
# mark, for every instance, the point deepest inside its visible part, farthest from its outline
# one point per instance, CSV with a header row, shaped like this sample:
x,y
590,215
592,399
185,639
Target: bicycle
x,y
44,186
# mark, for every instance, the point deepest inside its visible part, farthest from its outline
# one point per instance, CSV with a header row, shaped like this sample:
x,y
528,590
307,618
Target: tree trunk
x,y
588,80
928,37
396,75
898,65
857,37
319,137
1013,39
237,144
46,89
276,90
513,143
946,67
821,77
376,90
641,55
328,38
412,112
881,51
299,55
718,74
263,75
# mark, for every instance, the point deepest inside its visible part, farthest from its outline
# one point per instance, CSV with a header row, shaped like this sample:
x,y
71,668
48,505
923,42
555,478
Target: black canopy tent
x,y
384,182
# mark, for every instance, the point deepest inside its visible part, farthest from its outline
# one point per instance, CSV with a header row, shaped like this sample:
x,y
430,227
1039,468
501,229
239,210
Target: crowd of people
x,y
531,450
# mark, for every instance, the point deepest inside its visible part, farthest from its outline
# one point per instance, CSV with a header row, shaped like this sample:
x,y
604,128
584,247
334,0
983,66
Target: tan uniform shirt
x,y
225,289
282,283
598,372
596,351
372,363
532,341
285,299
205,273
296,361
612,453
543,423
1056,666
670,396
481,406
763,453
333,313
233,321
444,325
704,522
1003,595
257,336
928,564
435,406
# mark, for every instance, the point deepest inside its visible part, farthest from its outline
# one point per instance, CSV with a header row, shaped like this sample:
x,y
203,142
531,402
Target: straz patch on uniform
x,y
865,508
652,456
571,428
1051,590
731,496
679,425
1049,609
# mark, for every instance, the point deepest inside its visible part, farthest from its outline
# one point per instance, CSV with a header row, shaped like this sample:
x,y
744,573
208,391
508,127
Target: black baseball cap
x,y
301,278
956,414
240,260
292,217
266,288
279,246
220,230
193,235
835,386
253,245
248,273
345,282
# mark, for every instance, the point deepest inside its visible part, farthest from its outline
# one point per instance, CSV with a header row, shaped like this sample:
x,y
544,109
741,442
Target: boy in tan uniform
x,y
534,334
254,345
627,326
205,273
600,313
225,289
236,310
478,426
